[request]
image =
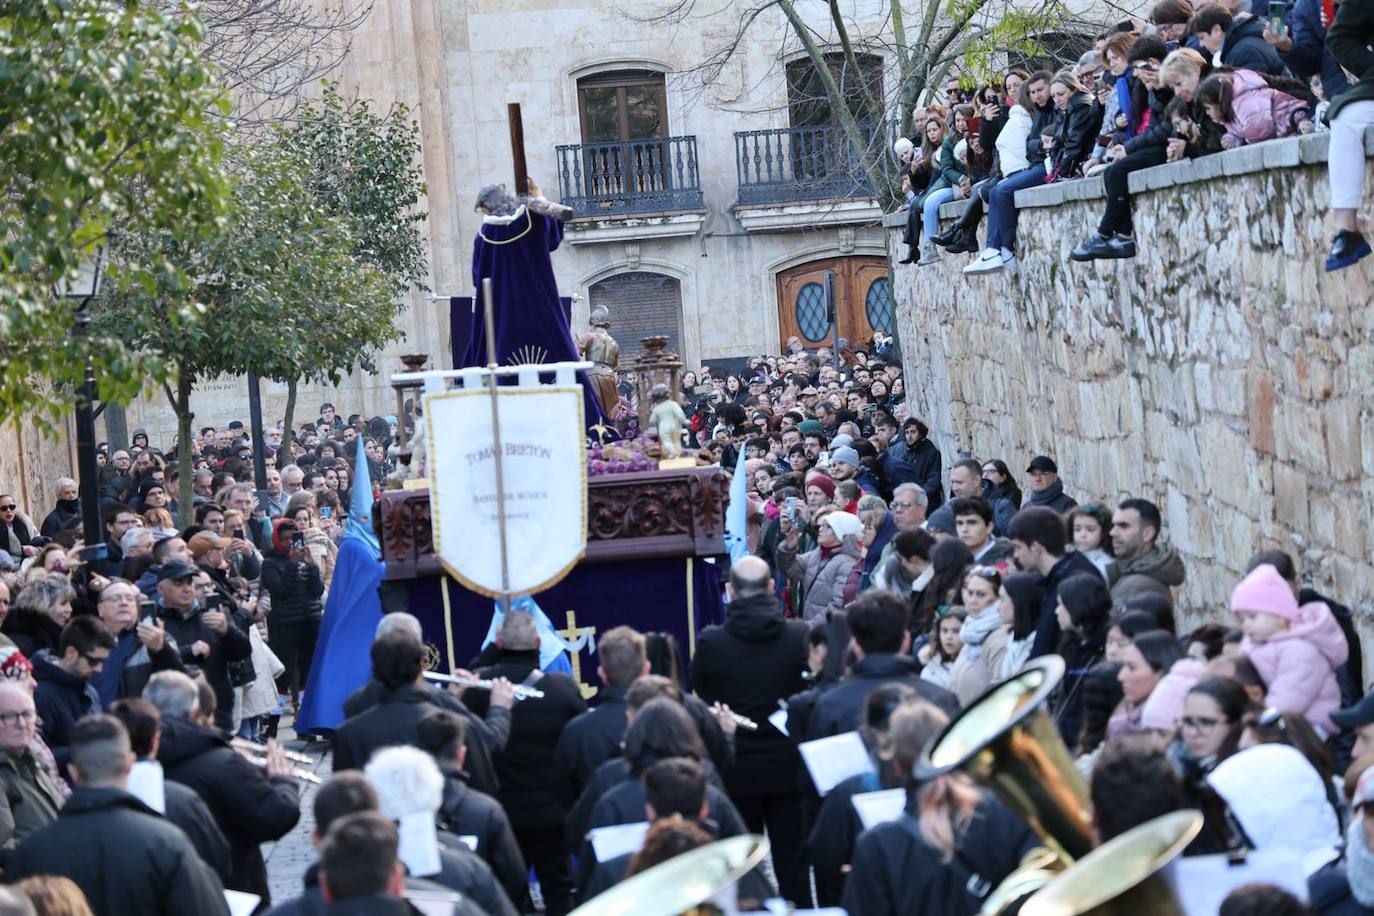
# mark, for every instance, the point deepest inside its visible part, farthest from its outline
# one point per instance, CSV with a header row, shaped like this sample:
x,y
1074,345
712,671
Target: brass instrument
x,y
740,721
1128,874
1008,742
521,691
683,883
252,747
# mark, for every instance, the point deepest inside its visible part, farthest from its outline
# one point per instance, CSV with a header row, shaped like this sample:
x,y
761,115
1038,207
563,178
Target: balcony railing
x,y
802,163
628,177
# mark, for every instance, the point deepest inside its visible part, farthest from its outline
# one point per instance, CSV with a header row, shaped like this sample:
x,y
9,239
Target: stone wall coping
x,y
1288,152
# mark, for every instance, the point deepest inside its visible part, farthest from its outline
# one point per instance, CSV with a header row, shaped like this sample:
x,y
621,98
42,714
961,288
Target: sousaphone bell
x,y
689,883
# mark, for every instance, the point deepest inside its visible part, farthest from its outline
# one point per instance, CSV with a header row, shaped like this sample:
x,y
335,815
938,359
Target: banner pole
x,y
492,366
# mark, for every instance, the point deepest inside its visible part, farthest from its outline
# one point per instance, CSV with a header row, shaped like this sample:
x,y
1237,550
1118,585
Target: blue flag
x,y
341,663
736,535
359,523
551,646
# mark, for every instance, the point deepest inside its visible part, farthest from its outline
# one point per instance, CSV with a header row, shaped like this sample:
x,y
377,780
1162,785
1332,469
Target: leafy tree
x,y
106,125
279,291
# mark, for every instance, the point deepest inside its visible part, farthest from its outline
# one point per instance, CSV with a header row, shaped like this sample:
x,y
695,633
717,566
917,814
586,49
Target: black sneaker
x,y
945,238
1094,248
1346,248
965,244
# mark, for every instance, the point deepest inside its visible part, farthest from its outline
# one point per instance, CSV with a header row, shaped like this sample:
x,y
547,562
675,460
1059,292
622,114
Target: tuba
x,y
1008,742
685,884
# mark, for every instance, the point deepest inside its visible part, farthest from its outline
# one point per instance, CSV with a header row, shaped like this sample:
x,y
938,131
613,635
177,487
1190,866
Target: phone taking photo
x,y
1278,11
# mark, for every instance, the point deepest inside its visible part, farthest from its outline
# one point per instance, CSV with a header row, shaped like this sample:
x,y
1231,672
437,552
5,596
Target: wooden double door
x,y
863,301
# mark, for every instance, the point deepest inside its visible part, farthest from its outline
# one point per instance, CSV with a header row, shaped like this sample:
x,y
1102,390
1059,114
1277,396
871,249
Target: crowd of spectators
x,y
1188,82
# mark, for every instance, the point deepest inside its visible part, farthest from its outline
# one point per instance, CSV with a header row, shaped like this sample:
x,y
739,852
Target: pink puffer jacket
x,y
1299,665
1261,113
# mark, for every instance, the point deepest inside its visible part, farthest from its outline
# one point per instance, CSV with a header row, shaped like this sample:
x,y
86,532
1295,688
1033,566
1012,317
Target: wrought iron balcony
x,y
789,164
628,177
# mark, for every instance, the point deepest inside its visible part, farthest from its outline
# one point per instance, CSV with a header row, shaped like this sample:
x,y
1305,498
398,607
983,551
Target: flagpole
x,y
492,366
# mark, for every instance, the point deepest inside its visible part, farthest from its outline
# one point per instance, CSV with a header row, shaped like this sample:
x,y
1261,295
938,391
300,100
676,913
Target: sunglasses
x,y
8,508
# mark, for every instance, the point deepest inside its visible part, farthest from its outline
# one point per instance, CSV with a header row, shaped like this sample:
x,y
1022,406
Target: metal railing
x,y
789,164
627,177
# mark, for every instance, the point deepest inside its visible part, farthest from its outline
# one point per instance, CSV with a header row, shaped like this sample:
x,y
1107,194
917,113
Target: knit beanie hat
x,y
809,426
1164,707
845,455
824,482
844,524
1265,591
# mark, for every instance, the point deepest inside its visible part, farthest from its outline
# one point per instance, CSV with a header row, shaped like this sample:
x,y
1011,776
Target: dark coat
x,y
1052,497
1047,627
462,870
526,763
830,847
749,663
66,516
886,532
896,872
249,807
589,741
841,709
1004,507
60,699
1042,122
1348,40
1159,130
1309,57
138,666
1067,703
466,812
188,811
130,859
32,632
311,902
926,461
755,885
1076,135
1328,892
397,727
233,646
1244,48
295,586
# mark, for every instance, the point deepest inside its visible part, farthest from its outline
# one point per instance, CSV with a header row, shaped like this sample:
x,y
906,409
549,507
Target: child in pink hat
x,y
1296,650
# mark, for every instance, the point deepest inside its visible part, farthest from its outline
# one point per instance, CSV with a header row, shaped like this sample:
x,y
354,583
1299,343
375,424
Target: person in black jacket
x,y
1115,234
1237,42
1080,119
525,765
594,737
130,860
343,795
748,664
1082,607
952,845
64,693
206,638
252,805
403,704
468,814
1039,545
180,804
293,580
881,643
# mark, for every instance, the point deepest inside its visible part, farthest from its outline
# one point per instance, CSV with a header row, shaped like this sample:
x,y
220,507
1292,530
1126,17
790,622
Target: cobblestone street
x,y
289,857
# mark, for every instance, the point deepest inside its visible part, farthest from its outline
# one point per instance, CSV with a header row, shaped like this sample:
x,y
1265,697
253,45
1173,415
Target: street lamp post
x,y
86,286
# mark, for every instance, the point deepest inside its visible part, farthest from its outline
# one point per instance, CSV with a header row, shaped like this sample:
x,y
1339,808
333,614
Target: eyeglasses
x,y
1199,723
8,508
902,504
14,718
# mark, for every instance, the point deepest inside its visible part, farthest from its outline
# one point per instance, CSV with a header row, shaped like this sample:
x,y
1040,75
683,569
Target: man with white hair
x,y
31,797
136,542
484,736
410,789
66,515
252,805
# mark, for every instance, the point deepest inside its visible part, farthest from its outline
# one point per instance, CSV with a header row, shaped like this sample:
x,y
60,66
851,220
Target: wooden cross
x,y
572,634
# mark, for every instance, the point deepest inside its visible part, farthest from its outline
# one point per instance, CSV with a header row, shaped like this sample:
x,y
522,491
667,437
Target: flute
x,y
298,773
740,721
253,747
521,691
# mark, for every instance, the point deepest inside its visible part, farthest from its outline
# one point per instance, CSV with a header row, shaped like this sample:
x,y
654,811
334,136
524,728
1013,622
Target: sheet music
x,y
779,721
146,784
831,761
240,903
617,840
876,808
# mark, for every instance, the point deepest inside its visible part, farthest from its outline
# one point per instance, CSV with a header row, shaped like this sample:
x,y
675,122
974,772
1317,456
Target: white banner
x,y
544,469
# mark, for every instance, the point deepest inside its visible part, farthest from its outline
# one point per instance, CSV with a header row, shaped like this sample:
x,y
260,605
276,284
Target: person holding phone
x,y
291,577
142,645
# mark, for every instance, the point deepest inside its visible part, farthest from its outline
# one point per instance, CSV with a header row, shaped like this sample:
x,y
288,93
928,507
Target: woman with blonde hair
x,y
54,895
952,845
160,521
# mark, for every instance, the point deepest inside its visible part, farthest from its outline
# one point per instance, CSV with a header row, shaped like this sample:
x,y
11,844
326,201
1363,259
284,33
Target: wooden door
x,y
862,294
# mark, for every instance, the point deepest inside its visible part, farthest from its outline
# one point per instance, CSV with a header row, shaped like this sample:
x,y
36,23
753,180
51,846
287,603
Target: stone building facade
x,y
1220,373
696,199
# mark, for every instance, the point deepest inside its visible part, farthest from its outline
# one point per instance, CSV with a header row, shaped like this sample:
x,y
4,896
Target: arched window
x,y
642,304
878,305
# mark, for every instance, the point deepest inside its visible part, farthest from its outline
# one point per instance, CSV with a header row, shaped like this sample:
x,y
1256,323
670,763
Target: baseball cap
x,y
1362,713
206,541
176,569
1043,463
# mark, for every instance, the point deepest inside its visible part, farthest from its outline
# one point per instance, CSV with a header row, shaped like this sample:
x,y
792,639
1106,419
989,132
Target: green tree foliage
x,y
106,126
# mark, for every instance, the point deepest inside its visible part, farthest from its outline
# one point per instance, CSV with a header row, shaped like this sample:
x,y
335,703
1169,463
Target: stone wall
x,y
1220,373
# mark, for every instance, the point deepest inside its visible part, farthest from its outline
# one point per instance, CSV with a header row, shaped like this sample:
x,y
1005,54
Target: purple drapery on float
x,y
531,324
677,595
